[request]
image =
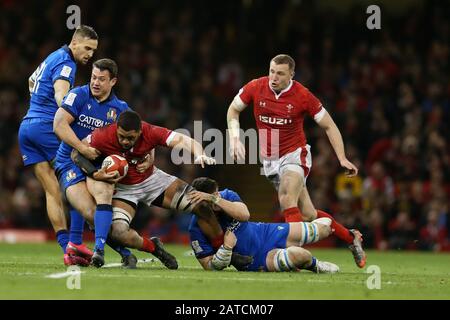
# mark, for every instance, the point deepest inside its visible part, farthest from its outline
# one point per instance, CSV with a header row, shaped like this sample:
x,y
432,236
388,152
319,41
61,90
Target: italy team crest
x,y
70,175
112,115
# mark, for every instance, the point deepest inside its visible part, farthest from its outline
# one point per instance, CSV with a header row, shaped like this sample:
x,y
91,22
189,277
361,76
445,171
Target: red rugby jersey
x,y
283,113
105,140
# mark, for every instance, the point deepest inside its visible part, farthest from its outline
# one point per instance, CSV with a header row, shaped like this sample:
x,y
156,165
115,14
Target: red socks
x,y
339,230
147,245
292,215
217,242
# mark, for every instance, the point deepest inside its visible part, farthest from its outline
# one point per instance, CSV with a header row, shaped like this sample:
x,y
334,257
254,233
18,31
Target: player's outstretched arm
x,y
335,137
237,149
190,145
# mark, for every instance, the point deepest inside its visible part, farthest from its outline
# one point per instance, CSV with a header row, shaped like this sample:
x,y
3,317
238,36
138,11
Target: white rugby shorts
x,y
146,191
299,161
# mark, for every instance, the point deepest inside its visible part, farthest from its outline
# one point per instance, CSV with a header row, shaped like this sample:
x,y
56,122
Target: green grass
x,y
404,275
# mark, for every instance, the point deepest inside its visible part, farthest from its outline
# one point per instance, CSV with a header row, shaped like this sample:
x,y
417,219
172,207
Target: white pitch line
x,y
171,276
64,274
118,264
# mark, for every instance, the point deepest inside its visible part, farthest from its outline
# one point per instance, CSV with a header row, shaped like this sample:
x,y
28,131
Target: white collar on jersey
x,y
277,96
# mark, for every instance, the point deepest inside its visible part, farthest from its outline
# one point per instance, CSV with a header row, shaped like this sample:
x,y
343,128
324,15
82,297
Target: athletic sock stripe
x,y
315,232
305,231
286,256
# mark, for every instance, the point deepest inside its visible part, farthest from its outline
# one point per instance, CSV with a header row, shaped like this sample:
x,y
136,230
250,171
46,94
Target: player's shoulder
x,y
150,128
81,91
260,82
122,105
230,195
61,55
77,95
299,88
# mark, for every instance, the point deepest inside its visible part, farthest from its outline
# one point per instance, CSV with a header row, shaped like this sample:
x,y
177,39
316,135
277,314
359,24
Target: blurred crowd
x,y
388,91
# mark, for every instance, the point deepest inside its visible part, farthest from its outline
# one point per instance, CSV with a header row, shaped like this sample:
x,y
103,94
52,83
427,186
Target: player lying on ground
x,y
280,105
135,140
274,246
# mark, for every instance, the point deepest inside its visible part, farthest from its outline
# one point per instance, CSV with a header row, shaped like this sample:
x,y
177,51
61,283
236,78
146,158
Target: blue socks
x,y
63,239
313,265
124,252
76,227
102,222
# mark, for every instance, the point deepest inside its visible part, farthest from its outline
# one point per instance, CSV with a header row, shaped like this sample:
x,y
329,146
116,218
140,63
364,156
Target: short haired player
x,y
273,246
135,140
280,105
48,85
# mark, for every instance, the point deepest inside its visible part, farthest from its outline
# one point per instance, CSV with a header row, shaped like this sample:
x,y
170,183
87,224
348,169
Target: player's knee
x,y
89,213
119,231
309,214
323,226
287,200
104,195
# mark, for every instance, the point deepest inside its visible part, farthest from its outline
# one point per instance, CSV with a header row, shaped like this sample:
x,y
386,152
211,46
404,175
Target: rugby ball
x,y
116,163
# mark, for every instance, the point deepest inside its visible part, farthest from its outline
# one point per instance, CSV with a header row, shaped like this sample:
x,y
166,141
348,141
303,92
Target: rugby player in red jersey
x,y
280,105
135,140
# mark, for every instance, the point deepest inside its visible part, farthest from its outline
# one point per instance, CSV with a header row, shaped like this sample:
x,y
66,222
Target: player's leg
x,y
301,233
175,197
292,184
83,203
295,258
55,210
38,145
102,193
123,213
352,237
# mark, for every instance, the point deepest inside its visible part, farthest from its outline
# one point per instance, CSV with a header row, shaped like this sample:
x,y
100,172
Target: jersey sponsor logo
x,y
234,225
70,98
271,120
90,122
112,114
70,175
196,246
65,72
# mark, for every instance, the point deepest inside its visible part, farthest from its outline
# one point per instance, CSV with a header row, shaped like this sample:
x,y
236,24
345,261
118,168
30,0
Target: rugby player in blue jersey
x,y
38,144
273,246
84,109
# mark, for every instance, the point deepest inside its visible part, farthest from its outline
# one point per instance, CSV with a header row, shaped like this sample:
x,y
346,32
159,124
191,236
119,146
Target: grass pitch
x,y
25,271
